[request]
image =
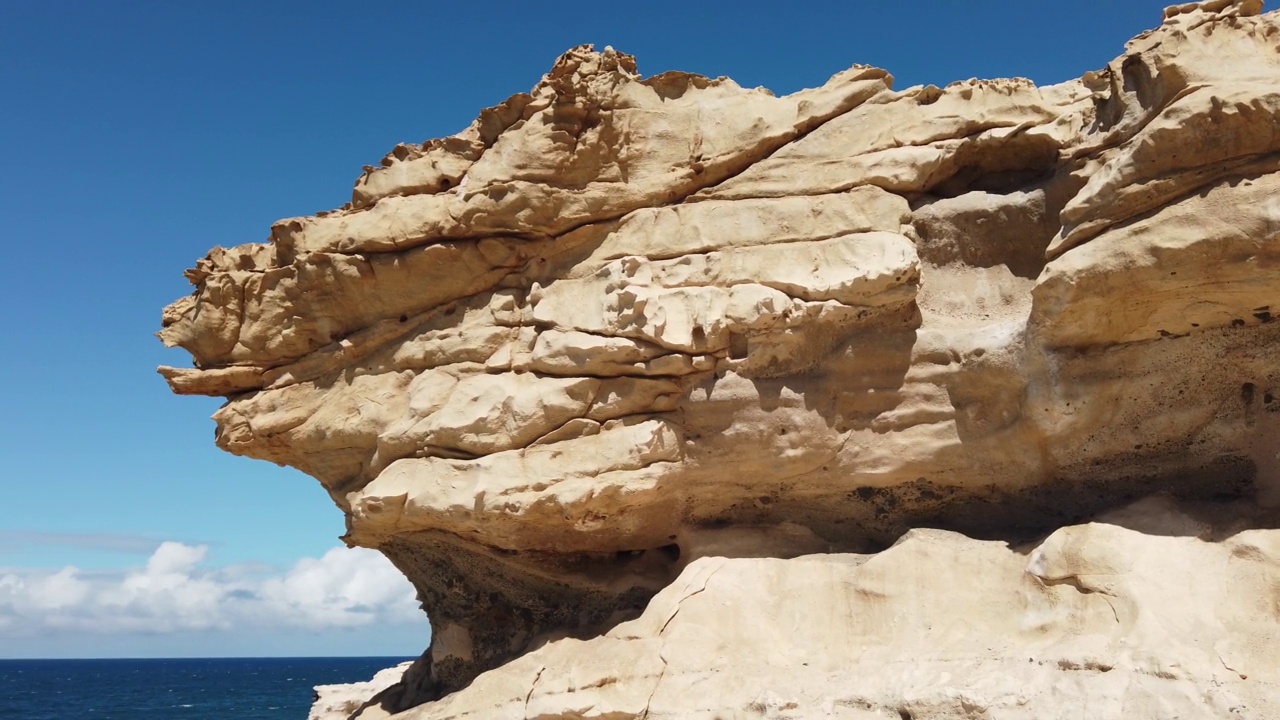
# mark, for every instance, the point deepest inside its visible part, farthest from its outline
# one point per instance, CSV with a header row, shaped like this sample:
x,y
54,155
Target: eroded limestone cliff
x,y
622,328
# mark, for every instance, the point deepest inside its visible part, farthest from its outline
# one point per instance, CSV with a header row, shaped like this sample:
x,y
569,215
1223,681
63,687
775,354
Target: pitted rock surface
x,y
622,325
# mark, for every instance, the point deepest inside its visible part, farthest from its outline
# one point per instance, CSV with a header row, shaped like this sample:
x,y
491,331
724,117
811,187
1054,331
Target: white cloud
x,y
176,591
59,591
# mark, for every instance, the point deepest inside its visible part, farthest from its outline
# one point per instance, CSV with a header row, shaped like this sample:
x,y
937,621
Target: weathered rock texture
x,y
1097,621
620,324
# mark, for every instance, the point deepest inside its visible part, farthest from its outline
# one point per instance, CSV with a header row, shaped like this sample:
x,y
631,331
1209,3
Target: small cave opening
x,y
699,336
671,552
994,212
999,165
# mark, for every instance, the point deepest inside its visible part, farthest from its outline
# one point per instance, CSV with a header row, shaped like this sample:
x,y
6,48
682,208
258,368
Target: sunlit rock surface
x,y
340,702
1096,621
620,328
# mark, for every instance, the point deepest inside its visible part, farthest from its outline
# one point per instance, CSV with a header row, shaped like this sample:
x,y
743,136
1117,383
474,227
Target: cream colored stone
x,y
578,353
619,324
546,481
939,626
700,227
340,702
973,124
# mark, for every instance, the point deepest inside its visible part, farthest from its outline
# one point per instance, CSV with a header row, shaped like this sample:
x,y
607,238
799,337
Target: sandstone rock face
x,y
621,326
1096,621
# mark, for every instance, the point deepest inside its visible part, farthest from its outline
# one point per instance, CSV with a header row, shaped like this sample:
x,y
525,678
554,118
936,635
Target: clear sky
x,y
135,136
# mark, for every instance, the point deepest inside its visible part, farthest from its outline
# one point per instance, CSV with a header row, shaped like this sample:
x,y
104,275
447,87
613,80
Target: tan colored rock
x,y
1097,619
621,323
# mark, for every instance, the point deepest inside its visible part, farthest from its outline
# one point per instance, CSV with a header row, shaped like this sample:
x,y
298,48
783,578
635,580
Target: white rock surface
x,y
340,702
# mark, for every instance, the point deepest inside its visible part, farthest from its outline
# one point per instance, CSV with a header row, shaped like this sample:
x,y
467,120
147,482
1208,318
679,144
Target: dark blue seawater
x,y
206,689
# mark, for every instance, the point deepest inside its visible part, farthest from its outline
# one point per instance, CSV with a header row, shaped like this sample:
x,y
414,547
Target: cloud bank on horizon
x,y
178,591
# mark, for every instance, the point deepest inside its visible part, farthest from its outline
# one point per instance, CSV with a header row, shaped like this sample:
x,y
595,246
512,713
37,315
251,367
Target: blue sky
x,y
138,135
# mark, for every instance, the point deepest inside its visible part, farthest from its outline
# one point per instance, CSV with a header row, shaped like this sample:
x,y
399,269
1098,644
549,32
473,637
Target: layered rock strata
x,y
620,324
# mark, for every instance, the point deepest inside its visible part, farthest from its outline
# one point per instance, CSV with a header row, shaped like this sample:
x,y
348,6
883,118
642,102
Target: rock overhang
x,y
621,323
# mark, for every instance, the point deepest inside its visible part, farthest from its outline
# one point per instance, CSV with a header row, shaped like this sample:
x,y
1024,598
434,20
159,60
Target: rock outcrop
x,y
1097,621
623,328
340,702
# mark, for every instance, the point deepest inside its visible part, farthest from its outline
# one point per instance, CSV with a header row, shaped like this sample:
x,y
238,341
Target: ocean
x,y
187,689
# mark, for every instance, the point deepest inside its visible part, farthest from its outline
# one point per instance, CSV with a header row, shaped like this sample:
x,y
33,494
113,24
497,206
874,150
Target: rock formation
x,y
621,329
1098,621
340,702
